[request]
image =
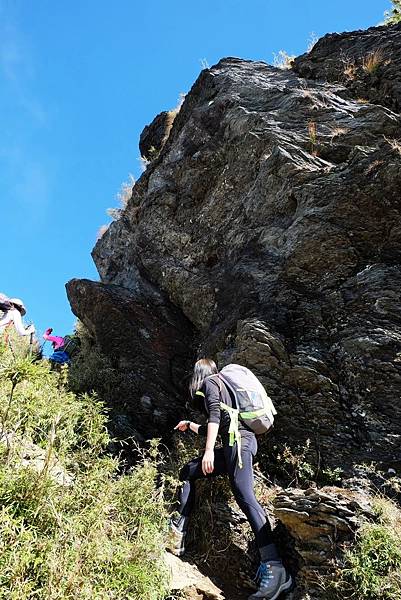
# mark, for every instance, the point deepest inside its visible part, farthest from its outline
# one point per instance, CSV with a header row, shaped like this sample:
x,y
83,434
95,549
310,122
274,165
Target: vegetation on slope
x,y
94,535
372,566
394,15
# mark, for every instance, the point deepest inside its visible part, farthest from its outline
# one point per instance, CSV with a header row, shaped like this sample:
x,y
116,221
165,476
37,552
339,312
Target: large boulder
x,y
270,227
154,135
148,342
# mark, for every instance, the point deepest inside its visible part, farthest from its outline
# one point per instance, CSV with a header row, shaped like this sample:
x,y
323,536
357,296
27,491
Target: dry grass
x,y
373,166
307,93
350,69
394,144
312,40
125,192
312,132
123,196
101,231
171,116
338,132
372,61
283,60
144,163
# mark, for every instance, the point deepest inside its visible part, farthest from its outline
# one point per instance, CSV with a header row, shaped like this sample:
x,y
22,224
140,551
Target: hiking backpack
x,y
252,405
71,345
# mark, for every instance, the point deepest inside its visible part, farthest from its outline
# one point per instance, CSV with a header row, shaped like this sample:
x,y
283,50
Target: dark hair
x,y
202,369
17,307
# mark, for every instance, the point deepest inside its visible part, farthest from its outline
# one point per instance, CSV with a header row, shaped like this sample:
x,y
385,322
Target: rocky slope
x,y
366,62
267,232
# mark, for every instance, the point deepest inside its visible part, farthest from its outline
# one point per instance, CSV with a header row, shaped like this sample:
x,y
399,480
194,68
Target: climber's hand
x,y
208,462
182,425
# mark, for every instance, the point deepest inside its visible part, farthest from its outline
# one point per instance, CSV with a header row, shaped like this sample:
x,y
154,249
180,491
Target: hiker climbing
x,y
13,310
238,408
64,347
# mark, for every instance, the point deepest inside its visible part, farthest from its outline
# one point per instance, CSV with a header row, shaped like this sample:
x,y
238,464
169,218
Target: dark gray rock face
x,y
271,223
267,232
323,524
153,136
148,342
367,62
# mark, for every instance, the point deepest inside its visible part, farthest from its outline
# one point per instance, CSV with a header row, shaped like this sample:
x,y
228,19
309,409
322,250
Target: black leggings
x,y
242,485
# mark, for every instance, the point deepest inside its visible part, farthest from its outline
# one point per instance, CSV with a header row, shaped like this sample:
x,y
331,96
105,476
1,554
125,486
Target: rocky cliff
x,y
267,232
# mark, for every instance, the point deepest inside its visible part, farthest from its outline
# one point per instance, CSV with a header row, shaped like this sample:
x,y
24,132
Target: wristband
x,y
188,425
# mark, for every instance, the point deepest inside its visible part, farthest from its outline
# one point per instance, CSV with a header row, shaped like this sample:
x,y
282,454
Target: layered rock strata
x,y
322,524
267,232
269,227
367,62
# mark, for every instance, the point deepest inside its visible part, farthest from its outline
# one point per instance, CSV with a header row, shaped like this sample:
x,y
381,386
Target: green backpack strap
x,y
234,434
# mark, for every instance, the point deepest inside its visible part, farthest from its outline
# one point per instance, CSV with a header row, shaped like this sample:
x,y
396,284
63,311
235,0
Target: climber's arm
x,y
212,406
184,425
18,324
208,457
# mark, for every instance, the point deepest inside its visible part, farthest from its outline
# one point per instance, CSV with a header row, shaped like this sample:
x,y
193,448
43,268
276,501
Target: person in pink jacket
x,y
59,356
56,340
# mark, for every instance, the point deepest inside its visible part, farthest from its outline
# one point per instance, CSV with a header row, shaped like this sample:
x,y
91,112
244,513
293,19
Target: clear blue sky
x,y
80,80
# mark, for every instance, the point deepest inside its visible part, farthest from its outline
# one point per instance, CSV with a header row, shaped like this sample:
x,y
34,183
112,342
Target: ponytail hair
x,y
203,368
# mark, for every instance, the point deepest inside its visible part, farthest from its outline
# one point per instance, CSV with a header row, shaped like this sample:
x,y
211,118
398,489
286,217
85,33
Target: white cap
x,y
19,304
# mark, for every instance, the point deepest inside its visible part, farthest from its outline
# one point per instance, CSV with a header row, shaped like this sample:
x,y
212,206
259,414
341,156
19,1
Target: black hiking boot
x,y
273,579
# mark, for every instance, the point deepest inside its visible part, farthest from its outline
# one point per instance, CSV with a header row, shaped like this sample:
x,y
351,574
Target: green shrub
x,y
372,567
99,537
394,15
91,370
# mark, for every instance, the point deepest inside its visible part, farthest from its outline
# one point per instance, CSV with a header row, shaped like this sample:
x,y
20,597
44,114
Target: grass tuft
x,y
372,61
283,60
99,536
372,567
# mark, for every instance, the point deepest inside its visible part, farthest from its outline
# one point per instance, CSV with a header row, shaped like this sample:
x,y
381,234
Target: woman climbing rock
x,y
64,347
235,412
13,311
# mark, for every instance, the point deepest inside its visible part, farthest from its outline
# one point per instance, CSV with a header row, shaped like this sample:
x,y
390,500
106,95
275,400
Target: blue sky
x,y
79,81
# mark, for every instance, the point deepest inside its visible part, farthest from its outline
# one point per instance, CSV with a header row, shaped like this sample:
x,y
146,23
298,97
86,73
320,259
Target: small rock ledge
x,y
322,523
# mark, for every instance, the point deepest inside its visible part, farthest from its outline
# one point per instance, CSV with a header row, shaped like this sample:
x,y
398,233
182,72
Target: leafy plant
x,y
372,567
329,476
293,463
394,15
98,535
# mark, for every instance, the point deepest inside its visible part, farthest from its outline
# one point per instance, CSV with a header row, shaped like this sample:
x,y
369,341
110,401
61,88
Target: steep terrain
x,y
267,232
70,527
